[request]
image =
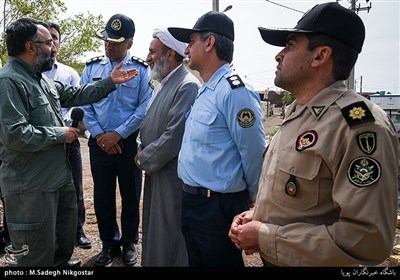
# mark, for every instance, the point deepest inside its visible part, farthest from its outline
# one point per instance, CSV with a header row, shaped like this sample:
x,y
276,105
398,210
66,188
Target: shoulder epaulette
x,y
357,113
140,61
235,81
93,59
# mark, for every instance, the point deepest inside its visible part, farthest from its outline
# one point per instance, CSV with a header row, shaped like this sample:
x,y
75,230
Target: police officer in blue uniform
x,y
221,154
113,124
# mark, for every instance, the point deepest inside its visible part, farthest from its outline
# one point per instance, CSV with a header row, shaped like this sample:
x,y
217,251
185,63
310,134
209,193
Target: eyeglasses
x,y
48,42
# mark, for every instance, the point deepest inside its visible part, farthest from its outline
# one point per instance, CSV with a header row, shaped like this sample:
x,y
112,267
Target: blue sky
x,y
377,67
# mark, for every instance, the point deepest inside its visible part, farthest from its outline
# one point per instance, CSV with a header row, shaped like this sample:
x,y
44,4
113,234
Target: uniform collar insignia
x,y
317,110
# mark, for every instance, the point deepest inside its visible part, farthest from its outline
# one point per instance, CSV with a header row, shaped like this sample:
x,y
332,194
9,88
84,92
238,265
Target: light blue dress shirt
x,y
224,137
67,75
123,110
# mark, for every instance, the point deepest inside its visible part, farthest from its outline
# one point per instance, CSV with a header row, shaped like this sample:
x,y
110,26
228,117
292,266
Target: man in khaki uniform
x,y
328,189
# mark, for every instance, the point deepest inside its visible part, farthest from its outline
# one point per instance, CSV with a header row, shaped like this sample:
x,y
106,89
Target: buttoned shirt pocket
x,y
129,91
202,130
41,112
129,85
297,184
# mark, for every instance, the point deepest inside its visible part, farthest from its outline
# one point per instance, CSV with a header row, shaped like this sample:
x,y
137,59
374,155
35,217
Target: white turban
x,y
167,39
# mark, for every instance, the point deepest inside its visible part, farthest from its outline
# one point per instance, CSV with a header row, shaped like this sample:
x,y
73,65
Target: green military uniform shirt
x,y
32,137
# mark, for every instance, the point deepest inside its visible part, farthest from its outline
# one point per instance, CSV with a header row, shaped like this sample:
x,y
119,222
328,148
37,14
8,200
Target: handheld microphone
x,y
76,116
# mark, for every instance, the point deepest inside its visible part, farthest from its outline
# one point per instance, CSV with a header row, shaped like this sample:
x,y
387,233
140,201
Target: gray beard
x,y
43,62
160,69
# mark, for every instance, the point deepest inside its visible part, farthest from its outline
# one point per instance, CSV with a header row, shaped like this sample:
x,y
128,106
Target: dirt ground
x,y
88,256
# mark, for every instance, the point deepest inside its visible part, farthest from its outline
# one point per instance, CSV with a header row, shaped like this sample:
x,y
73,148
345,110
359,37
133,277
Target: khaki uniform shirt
x,y
328,188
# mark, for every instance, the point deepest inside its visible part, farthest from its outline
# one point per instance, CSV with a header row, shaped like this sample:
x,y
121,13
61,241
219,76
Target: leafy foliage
x,y
272,133
76,32
77,38
287,98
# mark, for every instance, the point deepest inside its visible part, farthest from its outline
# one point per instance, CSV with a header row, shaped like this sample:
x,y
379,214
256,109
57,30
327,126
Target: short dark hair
x,y
344,57
19,32
56,27
223,45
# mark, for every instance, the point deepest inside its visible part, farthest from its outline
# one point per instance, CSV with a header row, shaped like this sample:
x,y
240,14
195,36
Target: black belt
x,y
197,190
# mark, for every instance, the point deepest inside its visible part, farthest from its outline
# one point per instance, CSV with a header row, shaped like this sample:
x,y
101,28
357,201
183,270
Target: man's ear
x,y
129,45
170,53
321,55
30,48
210,42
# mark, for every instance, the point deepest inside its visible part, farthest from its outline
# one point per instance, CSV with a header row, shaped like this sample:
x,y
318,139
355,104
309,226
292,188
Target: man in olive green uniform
x,y
35,178
328,189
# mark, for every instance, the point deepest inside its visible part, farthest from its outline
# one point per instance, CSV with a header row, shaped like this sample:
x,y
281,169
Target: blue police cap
x,y
118,29
330,19
212,21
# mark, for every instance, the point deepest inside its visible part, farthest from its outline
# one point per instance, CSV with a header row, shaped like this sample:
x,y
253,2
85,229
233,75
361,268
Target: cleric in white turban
x,y
161,131
167,39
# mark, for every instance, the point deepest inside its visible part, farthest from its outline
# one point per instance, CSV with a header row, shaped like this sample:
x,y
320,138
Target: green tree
x,y
287,98
77,31
77,38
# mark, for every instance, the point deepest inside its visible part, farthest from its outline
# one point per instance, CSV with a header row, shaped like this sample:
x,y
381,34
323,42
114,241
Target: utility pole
x,y
215,5
350,80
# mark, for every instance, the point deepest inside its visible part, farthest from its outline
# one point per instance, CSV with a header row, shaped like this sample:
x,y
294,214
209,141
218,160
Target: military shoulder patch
x,y
357,113
140,61
364,171
246,118
94,59
235,81
367,142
